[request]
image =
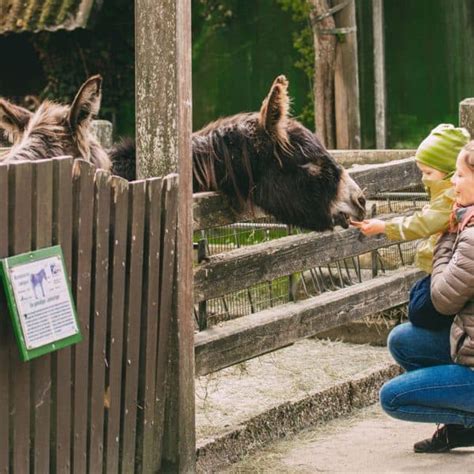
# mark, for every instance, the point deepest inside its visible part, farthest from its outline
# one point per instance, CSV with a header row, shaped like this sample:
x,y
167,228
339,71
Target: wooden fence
x,y
98,406
249,336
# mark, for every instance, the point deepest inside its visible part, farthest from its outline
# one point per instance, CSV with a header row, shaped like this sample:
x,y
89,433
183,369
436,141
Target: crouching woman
x,y
438,386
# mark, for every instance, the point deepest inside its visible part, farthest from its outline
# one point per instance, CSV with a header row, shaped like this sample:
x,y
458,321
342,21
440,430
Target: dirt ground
x,y
368,441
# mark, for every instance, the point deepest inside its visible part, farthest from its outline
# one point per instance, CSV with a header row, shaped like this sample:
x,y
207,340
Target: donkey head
x,y
277,164
55,129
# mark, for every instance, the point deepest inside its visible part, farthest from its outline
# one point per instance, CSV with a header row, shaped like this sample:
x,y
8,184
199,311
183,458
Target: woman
x,y
438,386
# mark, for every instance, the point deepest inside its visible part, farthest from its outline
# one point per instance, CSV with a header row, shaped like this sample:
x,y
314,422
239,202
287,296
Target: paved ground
x,y
368,441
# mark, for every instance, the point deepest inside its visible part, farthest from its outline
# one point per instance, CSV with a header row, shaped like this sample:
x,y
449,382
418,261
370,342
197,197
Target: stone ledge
x,y
290,417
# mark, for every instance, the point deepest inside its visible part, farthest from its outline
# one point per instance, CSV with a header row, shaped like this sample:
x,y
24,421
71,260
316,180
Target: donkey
x,y
267,159
55,129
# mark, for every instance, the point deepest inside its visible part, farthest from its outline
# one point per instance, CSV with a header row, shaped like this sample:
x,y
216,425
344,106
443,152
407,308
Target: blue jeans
x,y
421,311
433,390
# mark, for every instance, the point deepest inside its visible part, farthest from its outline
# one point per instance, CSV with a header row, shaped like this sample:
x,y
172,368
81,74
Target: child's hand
x,y
370,226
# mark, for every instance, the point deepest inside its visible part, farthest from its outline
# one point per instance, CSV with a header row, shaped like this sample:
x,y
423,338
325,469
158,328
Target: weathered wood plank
x,y
42,234
393,176
211,210
21,184
62,384
5,331
133,308
168,263
247,266
100,274
83,212
257,334
149,332
118,259
348,158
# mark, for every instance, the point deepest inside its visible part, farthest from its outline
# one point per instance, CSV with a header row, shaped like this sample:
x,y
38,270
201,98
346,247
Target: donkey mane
x,y
214,147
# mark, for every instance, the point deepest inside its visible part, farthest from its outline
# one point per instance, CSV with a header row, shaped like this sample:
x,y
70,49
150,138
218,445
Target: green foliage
x,y
216,13
304,45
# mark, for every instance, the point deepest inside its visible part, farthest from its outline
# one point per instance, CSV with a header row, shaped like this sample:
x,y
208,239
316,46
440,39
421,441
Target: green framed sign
x,y
40,302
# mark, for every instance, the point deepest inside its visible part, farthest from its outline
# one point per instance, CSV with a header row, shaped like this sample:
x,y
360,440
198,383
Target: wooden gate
x,y
99,405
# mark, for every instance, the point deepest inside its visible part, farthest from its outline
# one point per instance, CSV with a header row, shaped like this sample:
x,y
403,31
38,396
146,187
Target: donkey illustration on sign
x,y
262,159
37,280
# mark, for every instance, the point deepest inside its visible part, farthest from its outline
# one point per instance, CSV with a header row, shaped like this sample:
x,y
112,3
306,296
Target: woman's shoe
x,y
445,438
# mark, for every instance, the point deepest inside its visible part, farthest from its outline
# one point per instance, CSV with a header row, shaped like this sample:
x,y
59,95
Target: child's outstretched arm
x,y
421,224
430,220
370,226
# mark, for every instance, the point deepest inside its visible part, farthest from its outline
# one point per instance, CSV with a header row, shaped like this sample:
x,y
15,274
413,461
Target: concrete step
x,y
241,409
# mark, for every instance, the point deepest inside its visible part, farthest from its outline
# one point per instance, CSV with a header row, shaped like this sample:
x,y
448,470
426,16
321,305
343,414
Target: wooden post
x,y
379,75
346,81
163,117
466,115
156,91
324,63
102,129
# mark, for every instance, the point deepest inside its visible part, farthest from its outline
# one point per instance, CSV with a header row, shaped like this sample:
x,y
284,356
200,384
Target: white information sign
x,y
42,297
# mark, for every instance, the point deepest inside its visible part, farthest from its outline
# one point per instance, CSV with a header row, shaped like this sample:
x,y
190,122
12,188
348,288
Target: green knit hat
x,y
441,147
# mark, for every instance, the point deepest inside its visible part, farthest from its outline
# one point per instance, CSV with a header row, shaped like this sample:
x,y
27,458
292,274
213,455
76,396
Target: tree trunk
x,y
324,60
346,82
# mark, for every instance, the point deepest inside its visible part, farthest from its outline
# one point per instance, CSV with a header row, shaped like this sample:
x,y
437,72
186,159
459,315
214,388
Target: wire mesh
x,y
310,282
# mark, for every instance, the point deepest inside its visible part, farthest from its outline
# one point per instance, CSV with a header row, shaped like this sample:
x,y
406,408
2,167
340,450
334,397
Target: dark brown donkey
x,y
269,160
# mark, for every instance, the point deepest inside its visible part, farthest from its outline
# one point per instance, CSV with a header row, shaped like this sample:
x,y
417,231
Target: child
x,y
436,159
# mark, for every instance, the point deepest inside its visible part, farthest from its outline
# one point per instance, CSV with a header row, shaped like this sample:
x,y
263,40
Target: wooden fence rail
x,y
242,268
97,406
256,334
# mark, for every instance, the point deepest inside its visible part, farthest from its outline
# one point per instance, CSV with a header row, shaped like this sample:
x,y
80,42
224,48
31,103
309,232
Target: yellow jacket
x,y
427,224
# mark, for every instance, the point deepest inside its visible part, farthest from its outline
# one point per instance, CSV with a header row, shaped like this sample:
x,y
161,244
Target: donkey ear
x,y
13,119
86,104
274,111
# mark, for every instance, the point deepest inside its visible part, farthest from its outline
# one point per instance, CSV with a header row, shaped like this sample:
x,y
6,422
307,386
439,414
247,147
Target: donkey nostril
x,y
361,200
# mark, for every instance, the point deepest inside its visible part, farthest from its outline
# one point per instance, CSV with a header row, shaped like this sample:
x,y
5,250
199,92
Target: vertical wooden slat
x,y
5,334
149,333
99,319
181,416
83,209
41,367
167,270
118,247
62,392
133,299
20,241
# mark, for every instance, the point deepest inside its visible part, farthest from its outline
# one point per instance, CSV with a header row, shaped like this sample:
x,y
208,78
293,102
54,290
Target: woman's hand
x,y
370,226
